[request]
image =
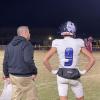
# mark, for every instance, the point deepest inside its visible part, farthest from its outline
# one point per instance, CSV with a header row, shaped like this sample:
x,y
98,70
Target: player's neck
x,y
68,36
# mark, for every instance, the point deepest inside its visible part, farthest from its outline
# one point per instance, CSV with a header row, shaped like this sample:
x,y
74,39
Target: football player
x,y
68,50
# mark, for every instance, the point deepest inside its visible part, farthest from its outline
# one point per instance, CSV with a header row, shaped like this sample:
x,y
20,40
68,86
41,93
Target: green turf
x,y
46,82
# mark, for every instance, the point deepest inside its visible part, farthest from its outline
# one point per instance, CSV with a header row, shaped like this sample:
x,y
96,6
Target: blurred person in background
x,y
88,43
19,67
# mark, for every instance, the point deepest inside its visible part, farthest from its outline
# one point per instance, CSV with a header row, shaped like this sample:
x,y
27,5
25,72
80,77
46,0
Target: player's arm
x,y
47,57
5,64
5,67
91,59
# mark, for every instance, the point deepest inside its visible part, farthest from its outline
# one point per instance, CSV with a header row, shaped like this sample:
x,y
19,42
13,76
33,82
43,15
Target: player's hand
x,y
83,72
8,81
54,72
33,77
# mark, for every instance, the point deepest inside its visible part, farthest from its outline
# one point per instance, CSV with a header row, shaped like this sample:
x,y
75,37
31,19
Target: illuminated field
x,y
46,82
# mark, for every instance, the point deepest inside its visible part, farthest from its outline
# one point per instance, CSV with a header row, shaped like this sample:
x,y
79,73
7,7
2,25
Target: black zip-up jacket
x,y
18,59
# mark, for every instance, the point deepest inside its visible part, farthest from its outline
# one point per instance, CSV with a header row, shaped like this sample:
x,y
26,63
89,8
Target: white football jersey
x,y
68,50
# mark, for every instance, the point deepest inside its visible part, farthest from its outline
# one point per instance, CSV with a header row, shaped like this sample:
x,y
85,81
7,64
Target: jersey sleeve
x,y
54,43
81,42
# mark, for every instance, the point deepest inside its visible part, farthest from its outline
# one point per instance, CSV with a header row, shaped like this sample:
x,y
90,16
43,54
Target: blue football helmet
x,y
68,27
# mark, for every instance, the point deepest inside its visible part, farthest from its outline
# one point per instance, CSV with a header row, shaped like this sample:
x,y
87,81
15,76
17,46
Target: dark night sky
x,y
51,13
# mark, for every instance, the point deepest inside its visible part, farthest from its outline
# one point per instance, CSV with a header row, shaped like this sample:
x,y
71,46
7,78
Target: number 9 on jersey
x,y
68,56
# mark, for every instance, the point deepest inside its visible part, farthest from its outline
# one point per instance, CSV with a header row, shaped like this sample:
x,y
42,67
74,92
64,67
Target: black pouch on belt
x,y
69,73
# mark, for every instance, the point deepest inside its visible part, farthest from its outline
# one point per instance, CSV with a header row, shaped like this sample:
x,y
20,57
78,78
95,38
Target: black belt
x,y
24,75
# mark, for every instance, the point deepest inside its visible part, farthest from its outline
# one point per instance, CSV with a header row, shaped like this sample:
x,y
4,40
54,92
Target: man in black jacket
x,y
19,66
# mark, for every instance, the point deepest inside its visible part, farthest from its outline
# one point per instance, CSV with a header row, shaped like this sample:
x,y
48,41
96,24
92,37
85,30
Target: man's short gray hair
x,y
20,29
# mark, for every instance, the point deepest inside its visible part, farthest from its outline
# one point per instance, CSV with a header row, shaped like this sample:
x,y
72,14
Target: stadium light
x,y
50,38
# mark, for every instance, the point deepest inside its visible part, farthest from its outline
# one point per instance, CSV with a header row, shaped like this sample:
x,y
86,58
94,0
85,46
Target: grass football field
x,y
46,82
